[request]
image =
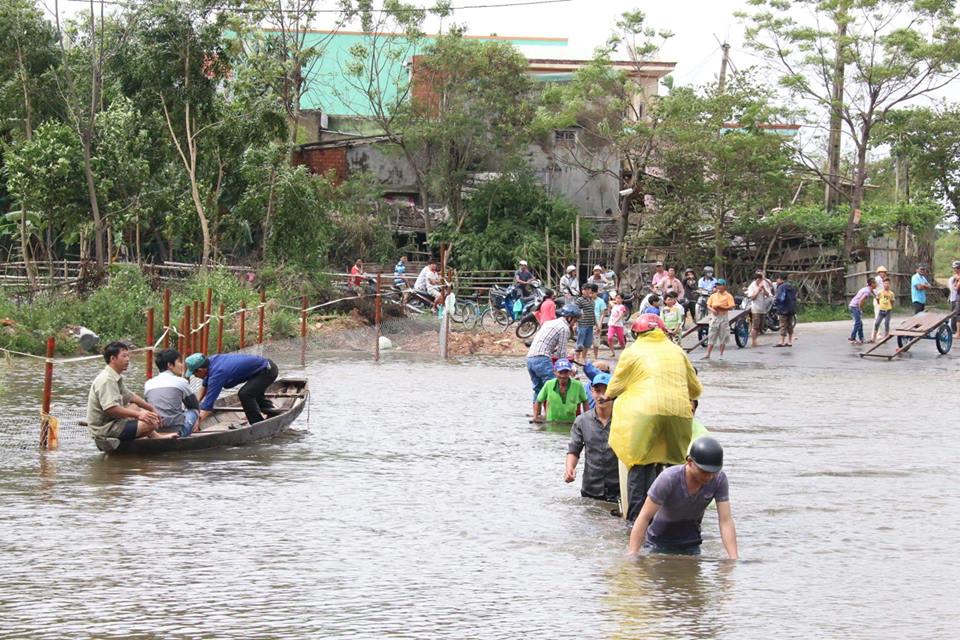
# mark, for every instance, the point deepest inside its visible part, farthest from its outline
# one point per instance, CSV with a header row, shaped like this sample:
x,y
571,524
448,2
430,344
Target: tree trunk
x,y
856,202
268,218
624,226
92,195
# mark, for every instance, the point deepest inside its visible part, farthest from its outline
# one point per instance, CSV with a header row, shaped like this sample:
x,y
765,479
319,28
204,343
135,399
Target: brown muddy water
x,y
416,501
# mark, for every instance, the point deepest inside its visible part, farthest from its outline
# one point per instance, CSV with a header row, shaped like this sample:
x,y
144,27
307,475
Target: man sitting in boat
x,y
171,394
112,410
224,370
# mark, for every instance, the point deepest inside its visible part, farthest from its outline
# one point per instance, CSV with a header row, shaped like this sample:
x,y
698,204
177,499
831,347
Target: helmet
x,y
707,454
569,311
571,268
523,263
708,269
686,271
647,322
955,264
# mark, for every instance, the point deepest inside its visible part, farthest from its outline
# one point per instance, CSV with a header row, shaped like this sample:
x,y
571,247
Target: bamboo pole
x,y
377,309
547,239
166,317
261,308
303,317
220,331
200,316
187,327
243,323
181,340
48,435
149,343
206,330
194,339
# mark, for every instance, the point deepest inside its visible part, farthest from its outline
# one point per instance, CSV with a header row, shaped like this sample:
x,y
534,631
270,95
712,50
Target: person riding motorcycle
x,y
705,287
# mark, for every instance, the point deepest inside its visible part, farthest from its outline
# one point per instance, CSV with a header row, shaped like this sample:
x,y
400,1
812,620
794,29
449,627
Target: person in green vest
x,y
563,396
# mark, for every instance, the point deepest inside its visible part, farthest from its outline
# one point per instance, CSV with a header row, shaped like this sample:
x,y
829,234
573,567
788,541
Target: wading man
x,y
590,435
670,519
549,344
112,410
224,370
653,383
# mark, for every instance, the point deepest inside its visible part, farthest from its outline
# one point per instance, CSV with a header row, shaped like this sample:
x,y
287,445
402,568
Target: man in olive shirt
x,y
591,430
112,410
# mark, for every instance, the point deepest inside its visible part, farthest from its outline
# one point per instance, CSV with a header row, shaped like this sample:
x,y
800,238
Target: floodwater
x,y
416,501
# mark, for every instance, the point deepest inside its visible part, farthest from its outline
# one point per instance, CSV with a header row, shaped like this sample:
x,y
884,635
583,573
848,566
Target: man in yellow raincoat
x,y
653,384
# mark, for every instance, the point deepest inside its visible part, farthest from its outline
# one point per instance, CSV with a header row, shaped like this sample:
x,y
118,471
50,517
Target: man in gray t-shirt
x,y
171,394
670,518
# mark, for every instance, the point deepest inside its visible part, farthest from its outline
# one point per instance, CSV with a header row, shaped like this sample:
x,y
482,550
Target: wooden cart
x,y
927,325
739,328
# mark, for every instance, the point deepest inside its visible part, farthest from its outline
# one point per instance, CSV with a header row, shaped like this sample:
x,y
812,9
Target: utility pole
x,y
722,82
832,194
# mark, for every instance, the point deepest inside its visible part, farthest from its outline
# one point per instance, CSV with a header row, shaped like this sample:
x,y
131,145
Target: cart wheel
x,y
702,333
944,339
741,333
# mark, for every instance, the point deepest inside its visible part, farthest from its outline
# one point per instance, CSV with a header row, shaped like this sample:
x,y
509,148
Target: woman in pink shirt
x,y
548,308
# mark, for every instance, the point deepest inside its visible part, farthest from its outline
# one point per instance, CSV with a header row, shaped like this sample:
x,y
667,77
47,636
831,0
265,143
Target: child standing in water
x,y
615,331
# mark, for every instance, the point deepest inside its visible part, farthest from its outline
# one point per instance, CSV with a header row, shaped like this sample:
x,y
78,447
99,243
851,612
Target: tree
x,y
610,106
720,162
857,60
27,52
929,140
464,107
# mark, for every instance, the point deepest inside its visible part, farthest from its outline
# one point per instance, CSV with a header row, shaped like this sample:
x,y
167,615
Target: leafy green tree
x,y
929,140
857,60
507,221
719,162
27,52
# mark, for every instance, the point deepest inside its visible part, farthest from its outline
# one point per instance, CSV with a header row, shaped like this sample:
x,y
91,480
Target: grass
x,y
117,311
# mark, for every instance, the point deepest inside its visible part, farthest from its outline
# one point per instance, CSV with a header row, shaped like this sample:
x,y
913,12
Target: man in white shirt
x,y
429,282
570,285
760,293
171,395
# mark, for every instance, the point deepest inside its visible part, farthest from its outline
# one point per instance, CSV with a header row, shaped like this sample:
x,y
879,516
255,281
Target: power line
x,y
503,5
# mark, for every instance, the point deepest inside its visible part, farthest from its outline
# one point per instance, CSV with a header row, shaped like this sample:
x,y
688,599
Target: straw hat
x,y
881,269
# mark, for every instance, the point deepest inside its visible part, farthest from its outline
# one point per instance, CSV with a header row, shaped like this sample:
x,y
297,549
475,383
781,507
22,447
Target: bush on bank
x,y
117,310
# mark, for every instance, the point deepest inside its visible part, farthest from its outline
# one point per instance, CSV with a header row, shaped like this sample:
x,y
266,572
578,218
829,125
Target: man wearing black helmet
x,y
549,344
669,521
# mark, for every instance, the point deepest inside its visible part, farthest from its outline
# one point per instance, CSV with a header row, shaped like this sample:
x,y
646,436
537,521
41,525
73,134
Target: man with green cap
x,y
224,370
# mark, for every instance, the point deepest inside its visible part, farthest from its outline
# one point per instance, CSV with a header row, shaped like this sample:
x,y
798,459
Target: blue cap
x,y
721,281
195,361
563,365
600,378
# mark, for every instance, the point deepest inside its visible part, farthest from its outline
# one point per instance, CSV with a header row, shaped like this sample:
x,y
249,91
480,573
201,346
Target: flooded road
x,y
417,501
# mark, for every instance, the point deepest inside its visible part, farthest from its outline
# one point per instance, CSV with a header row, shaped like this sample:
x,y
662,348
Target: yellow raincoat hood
x,y
653,383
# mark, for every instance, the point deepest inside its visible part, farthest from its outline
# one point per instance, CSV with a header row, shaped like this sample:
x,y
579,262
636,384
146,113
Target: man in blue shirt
x,y
918,289
225,370
399,273
707,282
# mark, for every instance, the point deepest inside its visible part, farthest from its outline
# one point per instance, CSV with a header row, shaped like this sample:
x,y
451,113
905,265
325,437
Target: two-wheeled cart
x,y
926,325
739,326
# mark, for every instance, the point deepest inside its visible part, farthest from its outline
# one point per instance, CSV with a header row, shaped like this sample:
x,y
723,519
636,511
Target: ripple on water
x,y
418,502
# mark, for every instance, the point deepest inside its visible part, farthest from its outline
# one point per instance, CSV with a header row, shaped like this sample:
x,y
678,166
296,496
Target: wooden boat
x,y
228,426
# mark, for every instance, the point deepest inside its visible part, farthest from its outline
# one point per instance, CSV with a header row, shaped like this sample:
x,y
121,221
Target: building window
x,y
565,136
